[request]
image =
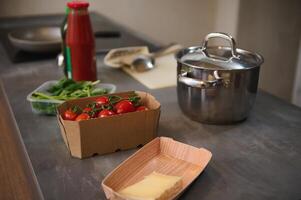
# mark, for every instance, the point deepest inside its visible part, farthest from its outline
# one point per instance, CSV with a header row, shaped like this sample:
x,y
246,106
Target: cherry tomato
x,y
106,113
83,116
87,109
124,106
69,115
102,100
141,108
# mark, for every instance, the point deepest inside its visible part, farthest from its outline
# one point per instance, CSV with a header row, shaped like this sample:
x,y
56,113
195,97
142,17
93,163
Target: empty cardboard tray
x,y
163,155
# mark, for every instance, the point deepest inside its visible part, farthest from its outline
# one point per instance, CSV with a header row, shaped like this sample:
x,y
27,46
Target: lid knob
x,y
224,36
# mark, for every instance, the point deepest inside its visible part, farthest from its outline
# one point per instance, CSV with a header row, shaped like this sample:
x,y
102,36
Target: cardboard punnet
x,y
109,134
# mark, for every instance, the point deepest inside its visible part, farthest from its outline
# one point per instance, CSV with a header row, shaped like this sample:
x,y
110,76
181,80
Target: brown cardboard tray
x,y
107,135
163,155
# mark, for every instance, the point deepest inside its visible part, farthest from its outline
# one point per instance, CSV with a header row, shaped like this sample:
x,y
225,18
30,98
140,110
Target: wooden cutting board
x,y
163,75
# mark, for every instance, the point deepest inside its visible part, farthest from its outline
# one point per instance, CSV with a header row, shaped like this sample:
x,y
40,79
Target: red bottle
x,y
80,43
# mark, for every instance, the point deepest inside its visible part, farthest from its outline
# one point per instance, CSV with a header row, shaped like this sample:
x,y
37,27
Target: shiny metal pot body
x,y
218,90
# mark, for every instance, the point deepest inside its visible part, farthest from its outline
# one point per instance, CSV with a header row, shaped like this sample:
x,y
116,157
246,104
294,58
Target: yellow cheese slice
x,y
155,186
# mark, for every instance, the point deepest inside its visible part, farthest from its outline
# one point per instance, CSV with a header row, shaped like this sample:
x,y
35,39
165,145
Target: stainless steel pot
x,y
217,85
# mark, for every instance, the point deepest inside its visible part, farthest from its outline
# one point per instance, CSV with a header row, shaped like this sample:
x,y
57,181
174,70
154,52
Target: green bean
x,y
68,89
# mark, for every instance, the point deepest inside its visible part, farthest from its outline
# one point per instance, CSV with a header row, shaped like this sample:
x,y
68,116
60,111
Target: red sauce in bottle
x,y
80,43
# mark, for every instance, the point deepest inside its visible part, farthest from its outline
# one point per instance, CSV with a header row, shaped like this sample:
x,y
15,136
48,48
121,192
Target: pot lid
x,y
219,58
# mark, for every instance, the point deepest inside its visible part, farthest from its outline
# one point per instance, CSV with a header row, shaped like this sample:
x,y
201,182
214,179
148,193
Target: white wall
x,y
165,21
30,7
185,22
227,16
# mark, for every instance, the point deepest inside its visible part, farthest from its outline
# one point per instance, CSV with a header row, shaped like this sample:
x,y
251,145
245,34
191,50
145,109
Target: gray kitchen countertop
x,y
257,159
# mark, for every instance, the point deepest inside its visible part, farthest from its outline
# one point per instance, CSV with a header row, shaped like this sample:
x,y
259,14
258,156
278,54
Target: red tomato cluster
x,y
103,107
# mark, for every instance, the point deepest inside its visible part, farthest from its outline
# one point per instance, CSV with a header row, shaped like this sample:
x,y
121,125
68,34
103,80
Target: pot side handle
x,y
202,84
